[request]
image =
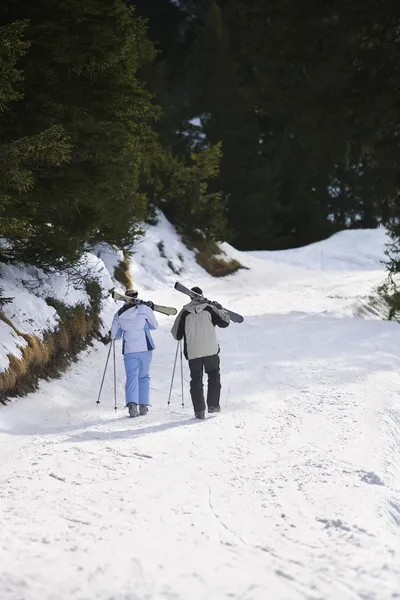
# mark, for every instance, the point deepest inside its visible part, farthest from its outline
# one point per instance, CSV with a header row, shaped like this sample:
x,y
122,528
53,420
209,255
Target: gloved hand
x,y
217,305
150,304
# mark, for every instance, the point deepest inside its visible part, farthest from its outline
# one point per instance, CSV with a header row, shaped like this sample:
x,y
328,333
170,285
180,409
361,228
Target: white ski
x,y
165,310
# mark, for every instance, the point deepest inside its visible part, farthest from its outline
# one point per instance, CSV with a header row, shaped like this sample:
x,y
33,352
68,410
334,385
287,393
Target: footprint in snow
x,y
371,478
335,523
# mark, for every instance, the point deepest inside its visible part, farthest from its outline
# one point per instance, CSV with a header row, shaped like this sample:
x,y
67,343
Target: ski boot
x,y
143,409
200,415
133,410
214,409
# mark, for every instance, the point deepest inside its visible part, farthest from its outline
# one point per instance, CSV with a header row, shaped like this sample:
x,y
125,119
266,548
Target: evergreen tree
x,y
80,75
328,72
226,119
21,158
271,198
189,202
184,176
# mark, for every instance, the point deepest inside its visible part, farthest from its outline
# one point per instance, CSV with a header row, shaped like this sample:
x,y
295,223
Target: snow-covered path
x,y
292,492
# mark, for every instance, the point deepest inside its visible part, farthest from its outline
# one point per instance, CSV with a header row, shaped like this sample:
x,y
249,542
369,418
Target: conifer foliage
x,y
21,156
76,129
271,123
304,99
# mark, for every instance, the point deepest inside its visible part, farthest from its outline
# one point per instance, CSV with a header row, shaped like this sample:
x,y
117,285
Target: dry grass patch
x,y
122,272
210,256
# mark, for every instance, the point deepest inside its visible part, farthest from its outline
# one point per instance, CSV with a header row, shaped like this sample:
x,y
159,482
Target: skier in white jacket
x,y
133,323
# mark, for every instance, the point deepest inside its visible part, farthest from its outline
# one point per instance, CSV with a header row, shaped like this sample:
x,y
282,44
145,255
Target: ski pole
x,y
173,374
180,346
104,374
115,379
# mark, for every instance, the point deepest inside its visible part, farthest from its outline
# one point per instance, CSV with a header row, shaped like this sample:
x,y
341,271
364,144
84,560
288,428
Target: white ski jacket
x,y
133,324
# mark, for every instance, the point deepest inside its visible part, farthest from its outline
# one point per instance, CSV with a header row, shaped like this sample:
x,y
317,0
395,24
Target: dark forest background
x,y
270,124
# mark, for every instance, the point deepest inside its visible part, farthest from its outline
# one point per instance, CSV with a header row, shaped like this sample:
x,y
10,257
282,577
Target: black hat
x,y
131,293
197,290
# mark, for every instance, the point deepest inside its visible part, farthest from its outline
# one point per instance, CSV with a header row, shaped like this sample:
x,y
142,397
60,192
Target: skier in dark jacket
x,y
196,325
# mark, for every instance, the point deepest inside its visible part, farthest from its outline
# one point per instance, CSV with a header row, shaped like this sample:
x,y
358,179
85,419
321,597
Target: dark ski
x,y
165,310
235,317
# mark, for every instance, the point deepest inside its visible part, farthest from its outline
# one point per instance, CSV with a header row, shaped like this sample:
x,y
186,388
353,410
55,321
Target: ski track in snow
x,y
292,492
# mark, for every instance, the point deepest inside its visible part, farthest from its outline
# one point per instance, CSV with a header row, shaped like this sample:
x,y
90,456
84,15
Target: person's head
x,y
131,293
197,290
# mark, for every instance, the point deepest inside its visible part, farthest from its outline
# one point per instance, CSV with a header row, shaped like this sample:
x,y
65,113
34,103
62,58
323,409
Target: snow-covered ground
x,y
292,492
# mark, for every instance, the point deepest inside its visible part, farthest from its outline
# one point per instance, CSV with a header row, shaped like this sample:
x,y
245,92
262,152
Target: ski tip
x,y
176,283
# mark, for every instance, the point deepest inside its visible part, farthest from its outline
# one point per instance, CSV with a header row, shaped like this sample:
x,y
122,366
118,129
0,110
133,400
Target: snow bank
x,y
160,258
29,287
356,249
10,343
349,267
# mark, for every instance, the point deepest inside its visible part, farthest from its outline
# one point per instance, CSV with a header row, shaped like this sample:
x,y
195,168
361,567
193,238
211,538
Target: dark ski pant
x,y
211,366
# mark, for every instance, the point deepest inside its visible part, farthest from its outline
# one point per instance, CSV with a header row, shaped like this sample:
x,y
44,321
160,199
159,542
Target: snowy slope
x,y
292,492
347,250
28,287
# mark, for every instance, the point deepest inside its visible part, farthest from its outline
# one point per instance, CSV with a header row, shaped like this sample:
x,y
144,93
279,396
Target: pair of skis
x,y
235,317
170,310
165,310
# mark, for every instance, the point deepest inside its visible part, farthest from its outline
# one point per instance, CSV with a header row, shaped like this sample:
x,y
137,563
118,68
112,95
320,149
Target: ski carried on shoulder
x,y
165,310
235,317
